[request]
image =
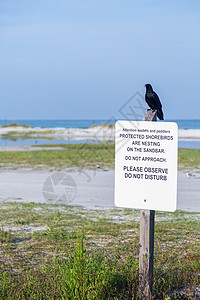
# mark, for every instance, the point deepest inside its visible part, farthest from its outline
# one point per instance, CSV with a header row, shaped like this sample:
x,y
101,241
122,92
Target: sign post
x,y
146,252
146,179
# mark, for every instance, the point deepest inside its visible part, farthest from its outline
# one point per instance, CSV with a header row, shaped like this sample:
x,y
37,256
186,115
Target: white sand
x,y
189,134
93,188
98,133
95,133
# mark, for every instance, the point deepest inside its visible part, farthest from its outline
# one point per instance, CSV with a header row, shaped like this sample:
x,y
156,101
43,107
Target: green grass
x,y
64,252
21,135
27,133
189,158
81,155
104,125
86,146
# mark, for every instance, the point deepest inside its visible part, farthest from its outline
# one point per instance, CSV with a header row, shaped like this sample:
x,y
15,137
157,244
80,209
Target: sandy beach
x,y
82,187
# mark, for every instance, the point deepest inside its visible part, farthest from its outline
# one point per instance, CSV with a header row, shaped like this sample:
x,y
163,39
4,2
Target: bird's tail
x,y
160,114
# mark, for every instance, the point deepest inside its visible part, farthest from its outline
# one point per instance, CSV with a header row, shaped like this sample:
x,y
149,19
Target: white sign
x,y
146,165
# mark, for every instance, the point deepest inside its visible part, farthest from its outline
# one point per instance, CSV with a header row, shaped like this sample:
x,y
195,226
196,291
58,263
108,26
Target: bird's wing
x,y
149,97
157,100
149,100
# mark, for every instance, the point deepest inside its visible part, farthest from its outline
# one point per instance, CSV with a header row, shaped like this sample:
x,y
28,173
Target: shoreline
x,y
98,133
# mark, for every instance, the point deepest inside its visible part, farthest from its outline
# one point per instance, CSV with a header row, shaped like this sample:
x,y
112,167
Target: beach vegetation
x,y
29,132
80,156
104,125
15,125
72,155
23,135
189,158
67,252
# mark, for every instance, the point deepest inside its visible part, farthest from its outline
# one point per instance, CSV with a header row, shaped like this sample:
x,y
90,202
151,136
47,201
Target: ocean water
x,y
186,124
182,124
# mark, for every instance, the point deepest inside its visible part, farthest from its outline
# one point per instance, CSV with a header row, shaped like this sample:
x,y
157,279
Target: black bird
x,y
153,101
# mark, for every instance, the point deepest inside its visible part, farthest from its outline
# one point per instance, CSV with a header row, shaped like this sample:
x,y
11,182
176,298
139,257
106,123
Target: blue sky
x,y
83,59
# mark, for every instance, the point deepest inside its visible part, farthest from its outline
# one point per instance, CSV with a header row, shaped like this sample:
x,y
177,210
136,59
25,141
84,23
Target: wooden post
x,y
147,219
